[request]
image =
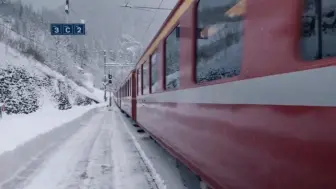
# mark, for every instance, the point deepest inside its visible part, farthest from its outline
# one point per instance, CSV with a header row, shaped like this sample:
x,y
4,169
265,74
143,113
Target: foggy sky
x,y
45,3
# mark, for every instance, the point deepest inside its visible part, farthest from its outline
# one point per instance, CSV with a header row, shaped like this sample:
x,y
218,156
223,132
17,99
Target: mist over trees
x,y
28,31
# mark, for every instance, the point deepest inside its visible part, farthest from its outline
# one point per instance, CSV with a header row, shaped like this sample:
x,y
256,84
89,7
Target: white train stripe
x,y
315,87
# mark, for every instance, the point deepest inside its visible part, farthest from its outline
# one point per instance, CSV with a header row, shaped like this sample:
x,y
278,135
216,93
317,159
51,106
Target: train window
x,y
145,77
130,87
139,81
318,29
173,61
155,72
220,34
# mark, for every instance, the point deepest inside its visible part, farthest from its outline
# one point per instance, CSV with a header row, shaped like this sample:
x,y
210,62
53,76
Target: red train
x,y
242,92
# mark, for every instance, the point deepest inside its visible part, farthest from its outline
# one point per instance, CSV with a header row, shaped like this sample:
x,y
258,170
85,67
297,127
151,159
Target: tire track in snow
x,y
115,162
47,143
62,165
27,173
103,155
77,178
99,169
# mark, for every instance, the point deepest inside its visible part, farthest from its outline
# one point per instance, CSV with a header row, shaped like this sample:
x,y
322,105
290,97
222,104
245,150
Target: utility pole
x,y
67,20
105,98
67,8
110,87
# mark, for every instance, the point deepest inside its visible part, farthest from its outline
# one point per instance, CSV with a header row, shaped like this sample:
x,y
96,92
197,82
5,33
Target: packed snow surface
x,y
18,129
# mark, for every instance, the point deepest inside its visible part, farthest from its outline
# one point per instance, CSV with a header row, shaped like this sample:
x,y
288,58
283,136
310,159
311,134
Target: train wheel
x,y
140,130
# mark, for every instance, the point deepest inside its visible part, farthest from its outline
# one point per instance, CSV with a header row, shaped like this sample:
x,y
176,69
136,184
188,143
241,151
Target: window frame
x,y
137,84
126,88
164,54
194,40
321,61
156,53
148,77
141,80
130,86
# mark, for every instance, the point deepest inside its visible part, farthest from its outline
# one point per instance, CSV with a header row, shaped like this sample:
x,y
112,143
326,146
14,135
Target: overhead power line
x,y
151,22
146,7
143,7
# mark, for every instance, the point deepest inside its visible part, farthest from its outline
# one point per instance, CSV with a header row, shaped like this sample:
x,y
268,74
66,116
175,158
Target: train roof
x,y
156,39
171,20
126,79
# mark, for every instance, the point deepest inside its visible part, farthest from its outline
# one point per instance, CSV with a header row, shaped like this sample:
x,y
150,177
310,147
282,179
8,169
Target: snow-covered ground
x,y
98,156
15,130
104,152
18,129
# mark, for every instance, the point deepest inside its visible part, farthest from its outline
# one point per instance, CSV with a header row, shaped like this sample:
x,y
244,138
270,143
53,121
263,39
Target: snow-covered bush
x,y
18,89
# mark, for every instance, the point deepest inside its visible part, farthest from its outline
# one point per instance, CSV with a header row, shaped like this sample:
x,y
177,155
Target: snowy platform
x,y
99,150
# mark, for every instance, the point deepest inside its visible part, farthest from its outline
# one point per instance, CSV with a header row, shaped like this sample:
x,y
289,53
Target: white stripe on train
x,y
315,87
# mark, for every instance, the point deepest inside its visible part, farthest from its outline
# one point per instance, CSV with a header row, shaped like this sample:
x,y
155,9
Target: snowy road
x,y
101,150
98,156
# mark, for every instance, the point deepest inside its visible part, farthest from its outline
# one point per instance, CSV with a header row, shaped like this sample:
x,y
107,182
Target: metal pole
x,y
105,97
66,20
110,99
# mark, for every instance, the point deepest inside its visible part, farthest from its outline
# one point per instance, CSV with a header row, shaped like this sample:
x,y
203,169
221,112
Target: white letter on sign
x,y
79,29
56,30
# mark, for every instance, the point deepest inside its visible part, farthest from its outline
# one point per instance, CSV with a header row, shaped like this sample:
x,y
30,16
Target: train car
x,y
242,92
116,98
128,99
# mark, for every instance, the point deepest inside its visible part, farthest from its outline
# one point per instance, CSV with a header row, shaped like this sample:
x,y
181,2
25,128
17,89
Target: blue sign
x,y
56,29
79,29
67,29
